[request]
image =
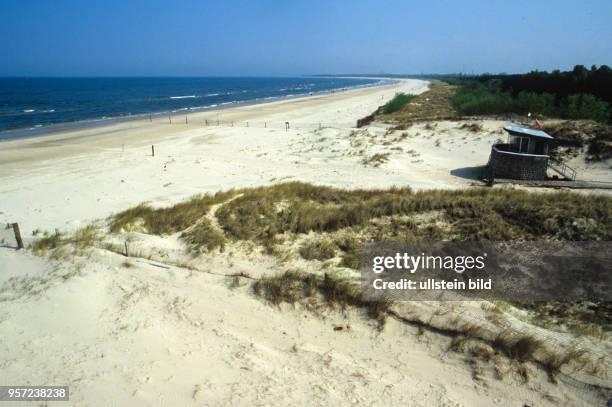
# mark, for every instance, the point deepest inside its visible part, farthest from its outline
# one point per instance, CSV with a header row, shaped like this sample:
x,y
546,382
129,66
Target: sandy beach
x,y
173,330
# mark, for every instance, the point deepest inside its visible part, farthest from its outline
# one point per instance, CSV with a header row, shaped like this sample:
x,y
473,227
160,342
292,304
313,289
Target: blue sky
x,y
275,37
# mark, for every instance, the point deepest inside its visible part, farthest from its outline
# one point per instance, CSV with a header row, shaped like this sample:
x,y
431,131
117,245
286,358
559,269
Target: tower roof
x,y
526,132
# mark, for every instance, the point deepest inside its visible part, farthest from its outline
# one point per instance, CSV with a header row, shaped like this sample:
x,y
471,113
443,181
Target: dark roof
x,y
526,131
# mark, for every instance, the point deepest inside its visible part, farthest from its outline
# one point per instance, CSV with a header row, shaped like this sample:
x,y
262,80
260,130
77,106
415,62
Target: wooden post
x,y
247,124
265,125
186,120
152,151
170,118
127,253
17,236
206,122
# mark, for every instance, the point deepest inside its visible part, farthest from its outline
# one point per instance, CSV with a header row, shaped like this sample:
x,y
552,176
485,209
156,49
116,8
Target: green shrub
x,y
474,98
585,106
477,100
397,103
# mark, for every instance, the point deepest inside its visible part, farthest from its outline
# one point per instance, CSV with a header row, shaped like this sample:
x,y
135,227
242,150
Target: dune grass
x,y
262,214
167,220
294,286
399,101
345,219
318,249
82,238
204,236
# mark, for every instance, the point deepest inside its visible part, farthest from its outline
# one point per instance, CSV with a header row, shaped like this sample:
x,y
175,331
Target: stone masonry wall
x,y
517,166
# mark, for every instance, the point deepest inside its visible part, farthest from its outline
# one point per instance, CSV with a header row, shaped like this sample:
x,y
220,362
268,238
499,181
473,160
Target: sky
x,y
285,37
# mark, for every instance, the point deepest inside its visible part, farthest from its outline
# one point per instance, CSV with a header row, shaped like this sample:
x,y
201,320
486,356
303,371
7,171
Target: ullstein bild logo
x,y
528,271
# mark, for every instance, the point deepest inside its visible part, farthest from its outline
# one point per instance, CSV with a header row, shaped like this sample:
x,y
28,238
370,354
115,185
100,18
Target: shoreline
x,y
54,128
78,175
190,307
123,134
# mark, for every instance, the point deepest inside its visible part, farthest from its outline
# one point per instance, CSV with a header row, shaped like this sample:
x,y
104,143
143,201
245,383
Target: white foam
x,y
183,97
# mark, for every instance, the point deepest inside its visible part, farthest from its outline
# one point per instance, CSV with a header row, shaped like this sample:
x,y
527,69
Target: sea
x,y
33,106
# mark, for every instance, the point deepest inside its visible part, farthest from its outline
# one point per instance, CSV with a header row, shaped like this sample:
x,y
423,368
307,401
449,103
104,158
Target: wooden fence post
x,y
152,151
18,236
186,120
127,253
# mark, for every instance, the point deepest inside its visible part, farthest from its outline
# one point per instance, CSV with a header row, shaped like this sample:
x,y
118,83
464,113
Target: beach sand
x,y
155,332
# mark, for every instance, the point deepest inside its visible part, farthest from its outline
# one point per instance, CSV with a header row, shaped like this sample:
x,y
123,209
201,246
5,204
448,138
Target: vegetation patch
x,y
577,135
376,160
577,94
267,215
82,238
293,287
47,242
434,104
167,220
204,236
397,103
318,249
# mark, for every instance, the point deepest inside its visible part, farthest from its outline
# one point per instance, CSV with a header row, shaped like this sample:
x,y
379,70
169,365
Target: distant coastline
x,y
183,104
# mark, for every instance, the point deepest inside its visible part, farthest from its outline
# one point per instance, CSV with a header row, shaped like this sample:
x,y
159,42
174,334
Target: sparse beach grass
x,y
397,103
294,286
318,249
338,220
262,214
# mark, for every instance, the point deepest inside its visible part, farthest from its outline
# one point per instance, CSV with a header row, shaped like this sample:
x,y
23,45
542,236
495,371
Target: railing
x,y
563,169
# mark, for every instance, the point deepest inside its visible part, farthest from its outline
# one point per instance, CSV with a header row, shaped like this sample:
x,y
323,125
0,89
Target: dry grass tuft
x,y
289,287
520,348
204,236
87,236
471,127
293,286
168,220
46,243
82,238
376,160
319,249
555,361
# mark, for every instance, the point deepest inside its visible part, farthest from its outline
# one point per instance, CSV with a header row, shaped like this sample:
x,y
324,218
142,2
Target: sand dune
x,y
163,329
